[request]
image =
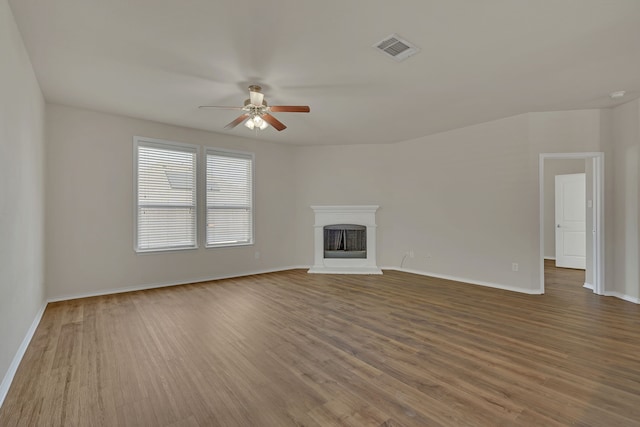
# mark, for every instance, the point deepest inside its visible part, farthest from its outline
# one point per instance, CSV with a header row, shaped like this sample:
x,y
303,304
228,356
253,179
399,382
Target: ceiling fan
x,y
257,114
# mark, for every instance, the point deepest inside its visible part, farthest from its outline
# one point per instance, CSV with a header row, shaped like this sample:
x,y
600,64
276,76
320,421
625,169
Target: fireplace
x,y
345,240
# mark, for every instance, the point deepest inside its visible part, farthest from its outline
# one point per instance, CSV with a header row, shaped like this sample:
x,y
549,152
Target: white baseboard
x,y
13,368
552,258
465,280
622,296
166,284
587,285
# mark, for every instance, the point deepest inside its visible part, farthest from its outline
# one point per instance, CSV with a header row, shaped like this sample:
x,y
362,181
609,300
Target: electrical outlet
x,y
514,266
256,255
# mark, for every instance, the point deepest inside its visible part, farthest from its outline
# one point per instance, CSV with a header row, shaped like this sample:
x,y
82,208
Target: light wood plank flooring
x,y
291,348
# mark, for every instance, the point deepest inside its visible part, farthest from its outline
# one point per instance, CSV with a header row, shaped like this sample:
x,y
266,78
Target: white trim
x,y
541,217
598,212
167,284
550,258
339,209
588,285
465,280
597,258
623,297
13,368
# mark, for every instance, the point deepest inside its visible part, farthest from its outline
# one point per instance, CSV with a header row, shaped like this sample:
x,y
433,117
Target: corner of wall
x,y
22,106
625,201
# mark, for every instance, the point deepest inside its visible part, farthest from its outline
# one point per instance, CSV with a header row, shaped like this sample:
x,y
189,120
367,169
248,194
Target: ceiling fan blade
x,y
277,124
290,108
256,98
237,121
218,107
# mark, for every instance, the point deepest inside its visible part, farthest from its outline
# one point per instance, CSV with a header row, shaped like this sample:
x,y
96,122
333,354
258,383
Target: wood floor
x,y
292,348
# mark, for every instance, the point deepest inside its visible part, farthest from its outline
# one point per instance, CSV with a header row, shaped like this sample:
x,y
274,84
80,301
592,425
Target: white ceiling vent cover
x,y
396,48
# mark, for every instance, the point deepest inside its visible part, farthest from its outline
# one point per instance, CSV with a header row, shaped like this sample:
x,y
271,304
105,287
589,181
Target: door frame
x,y
597,231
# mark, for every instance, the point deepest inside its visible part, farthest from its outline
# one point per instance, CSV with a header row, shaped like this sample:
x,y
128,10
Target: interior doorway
x,y
594,171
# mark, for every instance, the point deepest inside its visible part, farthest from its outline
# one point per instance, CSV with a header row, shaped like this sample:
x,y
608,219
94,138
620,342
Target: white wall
x,y
626,153
21,195
553,167
464,201
579,131
89,223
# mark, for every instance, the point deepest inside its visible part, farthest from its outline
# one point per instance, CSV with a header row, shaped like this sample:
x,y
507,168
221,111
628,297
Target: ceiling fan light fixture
x,y
260,123
256,122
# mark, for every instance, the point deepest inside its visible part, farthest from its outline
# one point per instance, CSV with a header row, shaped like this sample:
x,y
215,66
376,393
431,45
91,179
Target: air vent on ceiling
x,y
396,48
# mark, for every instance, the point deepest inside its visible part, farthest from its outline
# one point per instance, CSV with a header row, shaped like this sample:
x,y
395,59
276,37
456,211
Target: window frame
x,y
169,145
237,154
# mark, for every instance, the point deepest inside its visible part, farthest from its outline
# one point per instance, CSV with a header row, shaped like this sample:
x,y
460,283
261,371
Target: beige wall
x,y
626,236
21,194
89,223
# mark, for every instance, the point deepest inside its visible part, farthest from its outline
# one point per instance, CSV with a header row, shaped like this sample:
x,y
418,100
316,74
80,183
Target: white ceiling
x,y
480,60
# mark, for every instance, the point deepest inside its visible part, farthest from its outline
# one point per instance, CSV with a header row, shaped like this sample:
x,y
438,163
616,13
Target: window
x,y
165,195
229,198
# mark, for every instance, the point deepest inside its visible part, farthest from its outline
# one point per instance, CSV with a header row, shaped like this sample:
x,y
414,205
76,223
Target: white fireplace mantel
x,y
350,214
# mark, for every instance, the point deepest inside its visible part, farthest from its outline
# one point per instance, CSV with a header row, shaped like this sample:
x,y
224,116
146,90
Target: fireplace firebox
x,y
345,241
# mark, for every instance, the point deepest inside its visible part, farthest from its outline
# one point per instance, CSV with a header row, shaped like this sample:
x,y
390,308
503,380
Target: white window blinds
x,y
229,198
166,196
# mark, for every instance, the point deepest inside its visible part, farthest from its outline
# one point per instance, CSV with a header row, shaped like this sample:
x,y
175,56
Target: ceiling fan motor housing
x,y
248,102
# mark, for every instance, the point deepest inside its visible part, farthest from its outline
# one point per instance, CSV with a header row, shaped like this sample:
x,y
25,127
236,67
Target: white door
x,y
571,221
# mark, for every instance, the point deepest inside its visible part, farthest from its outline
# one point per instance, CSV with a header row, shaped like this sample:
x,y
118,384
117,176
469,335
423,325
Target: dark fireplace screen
x,y
345,241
